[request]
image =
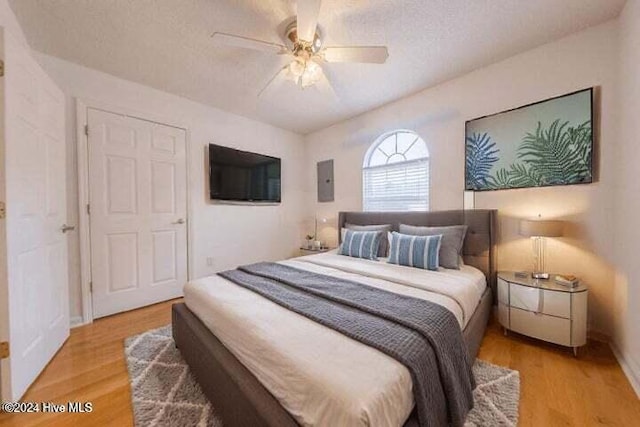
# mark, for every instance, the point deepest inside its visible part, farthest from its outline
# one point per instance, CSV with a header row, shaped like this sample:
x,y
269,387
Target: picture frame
x,y
542,144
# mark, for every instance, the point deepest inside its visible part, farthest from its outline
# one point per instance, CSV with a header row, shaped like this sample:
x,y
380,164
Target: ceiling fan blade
x,y
248,43
280,75
325,87
368,54
308,11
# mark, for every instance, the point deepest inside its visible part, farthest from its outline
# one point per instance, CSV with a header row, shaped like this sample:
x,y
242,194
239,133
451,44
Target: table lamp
x,y
317,241
539,230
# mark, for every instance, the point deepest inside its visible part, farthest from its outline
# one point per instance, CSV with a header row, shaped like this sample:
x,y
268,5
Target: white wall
x,y
231,235
10,23
627,191
438,114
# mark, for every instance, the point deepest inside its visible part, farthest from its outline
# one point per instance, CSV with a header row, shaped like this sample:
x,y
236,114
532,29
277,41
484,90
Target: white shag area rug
x,y
166,394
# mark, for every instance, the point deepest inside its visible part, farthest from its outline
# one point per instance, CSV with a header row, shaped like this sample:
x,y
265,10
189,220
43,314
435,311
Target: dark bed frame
x,y
237,395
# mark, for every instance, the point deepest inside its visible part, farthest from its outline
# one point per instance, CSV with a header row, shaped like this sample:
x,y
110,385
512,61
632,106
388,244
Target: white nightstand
x,y
543,309
313,251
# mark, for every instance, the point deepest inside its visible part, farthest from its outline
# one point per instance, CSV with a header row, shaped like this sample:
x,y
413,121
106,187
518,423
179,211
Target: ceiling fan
x,y
305,48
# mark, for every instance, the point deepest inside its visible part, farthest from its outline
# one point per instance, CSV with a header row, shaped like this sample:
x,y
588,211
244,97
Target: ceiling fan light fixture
x,y
311,75
303,40
297,68
304,73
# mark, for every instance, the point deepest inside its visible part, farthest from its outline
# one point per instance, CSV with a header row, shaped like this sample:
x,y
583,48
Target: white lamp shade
x,y
541,228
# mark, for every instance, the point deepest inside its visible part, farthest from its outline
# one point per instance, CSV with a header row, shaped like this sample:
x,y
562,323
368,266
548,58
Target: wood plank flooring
x,y
557,389
91,367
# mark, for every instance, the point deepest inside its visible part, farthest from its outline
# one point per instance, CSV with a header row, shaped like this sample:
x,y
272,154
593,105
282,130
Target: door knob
x,y
66,228
180,221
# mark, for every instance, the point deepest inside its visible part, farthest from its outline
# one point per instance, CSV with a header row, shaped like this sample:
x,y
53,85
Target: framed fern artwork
x,y
538,145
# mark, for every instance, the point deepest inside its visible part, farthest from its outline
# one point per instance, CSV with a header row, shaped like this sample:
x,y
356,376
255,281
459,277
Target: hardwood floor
x,y
556,388
91,367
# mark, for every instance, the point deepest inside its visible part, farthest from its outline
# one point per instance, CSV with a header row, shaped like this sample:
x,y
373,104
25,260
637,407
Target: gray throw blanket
x,y
423,336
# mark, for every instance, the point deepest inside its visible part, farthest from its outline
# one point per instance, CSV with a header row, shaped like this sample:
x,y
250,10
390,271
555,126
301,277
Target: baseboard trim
x,y
599,336
76,321
628,368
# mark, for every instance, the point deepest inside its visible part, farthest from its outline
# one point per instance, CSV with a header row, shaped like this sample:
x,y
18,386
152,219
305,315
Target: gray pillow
x,y
383,249
452,241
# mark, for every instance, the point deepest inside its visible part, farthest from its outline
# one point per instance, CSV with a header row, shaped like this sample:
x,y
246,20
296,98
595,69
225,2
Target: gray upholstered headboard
x,y
479,248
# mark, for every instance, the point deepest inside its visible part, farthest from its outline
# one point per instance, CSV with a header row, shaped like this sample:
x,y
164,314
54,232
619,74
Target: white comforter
x,y
320,376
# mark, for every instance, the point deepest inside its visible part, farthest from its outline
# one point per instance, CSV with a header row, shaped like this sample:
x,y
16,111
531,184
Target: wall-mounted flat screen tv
x,y
242,176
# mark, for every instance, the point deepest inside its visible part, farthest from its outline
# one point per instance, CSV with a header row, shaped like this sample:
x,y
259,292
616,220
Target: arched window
x,y
395,173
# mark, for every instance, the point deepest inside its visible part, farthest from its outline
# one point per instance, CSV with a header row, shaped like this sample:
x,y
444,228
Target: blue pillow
x,y
361,244
415,251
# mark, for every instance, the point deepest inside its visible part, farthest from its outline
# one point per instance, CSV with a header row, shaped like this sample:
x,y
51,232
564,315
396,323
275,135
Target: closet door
x,y
138,208
34,299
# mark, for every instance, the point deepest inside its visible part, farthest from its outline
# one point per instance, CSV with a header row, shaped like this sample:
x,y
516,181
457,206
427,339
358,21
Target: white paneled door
x,y
138,212
34,313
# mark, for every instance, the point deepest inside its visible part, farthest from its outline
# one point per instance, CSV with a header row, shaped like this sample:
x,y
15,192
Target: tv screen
x,y
243,176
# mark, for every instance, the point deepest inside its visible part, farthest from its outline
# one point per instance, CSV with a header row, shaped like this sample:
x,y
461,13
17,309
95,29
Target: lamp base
x,y
544,276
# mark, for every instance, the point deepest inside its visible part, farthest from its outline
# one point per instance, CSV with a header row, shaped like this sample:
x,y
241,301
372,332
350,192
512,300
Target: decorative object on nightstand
x,y
539,230
309,241
566,280
543,309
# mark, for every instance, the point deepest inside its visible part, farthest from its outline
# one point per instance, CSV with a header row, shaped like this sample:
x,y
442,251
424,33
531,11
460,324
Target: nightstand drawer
x,y
541,301
548,328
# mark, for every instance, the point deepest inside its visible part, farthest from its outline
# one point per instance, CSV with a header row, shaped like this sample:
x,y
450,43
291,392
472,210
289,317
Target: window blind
x,y
402,186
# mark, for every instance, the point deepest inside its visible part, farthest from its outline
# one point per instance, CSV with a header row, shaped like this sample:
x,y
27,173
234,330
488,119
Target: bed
x,y
228,336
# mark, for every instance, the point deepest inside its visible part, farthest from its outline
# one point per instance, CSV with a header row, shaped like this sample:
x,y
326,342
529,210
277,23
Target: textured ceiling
x,y
166,44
